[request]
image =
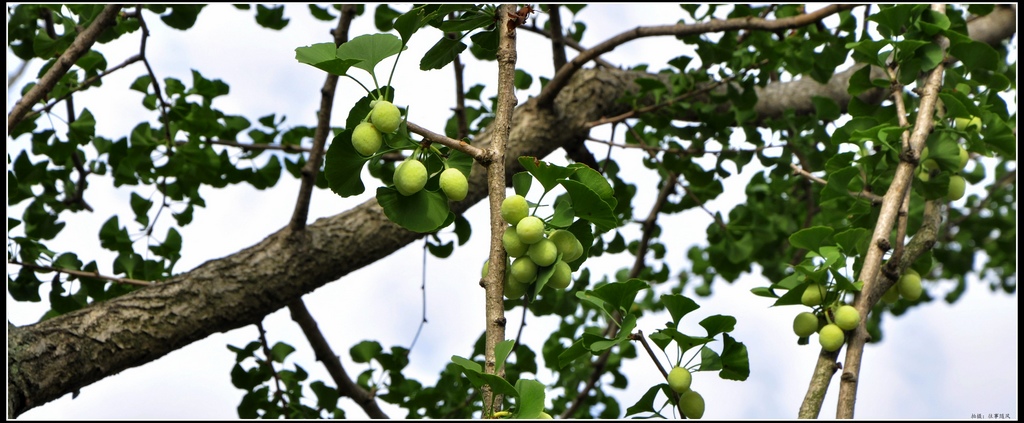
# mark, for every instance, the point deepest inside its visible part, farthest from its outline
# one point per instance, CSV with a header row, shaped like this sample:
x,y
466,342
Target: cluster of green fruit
x,y
838,319
533,250
908,287
411,176
384,118
957,183
690,402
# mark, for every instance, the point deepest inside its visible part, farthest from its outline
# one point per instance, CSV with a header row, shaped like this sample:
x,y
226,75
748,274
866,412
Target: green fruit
x,y
692,404
964,156
847,317
891,295
544,416
561,277
385,116
927,167
968,124
483,272
564,240
957,186
366,139
523,270
909,285
831,337
410,177
813,295
513,245
543,252
679,379
454,184
514,289
805,324
530,230
514,208
575,254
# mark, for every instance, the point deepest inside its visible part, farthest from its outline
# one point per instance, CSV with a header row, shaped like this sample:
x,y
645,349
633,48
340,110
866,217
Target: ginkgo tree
x,y
867,122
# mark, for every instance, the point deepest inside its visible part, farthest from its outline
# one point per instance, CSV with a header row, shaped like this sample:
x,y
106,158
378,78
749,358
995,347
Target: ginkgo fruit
x,y
410,177
679,379
561,276
805,324
513,245
530,229
692,404
366,139
831,337
909,285
454,184
385,116
523,270
514,208
543,252
813,295
847,317
957,187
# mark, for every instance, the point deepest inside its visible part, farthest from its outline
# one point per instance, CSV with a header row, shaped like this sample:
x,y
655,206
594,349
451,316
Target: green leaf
x,y
323,56
645,403
588,205
326,396
595,181
811,238
853,241
280,351
343,166
735,364
709,360
576,350
763,292
424,211
718,324
522,80
546,173
182,16
620,295
501,351
530,399
321,13
441,53
365,351
141,208
409,23
521,182
975,55
678,306
272,18
467,364
369,50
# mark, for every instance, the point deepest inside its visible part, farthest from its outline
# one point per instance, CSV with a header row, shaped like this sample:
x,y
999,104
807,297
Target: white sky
x,y
936,362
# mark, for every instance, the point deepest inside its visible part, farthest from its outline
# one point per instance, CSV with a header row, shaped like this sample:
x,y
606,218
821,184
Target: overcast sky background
x,y
936,362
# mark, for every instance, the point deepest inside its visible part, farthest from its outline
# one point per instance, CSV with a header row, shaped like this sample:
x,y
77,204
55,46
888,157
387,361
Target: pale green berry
x,y
514,289
530,230
366,139
561,276
385,116
957,187
813,295
805,324
543,252
513,245
566,243
909,285
847,317
692,404
831,337
454,184
410,177
964,156
514,208
523,270
679,379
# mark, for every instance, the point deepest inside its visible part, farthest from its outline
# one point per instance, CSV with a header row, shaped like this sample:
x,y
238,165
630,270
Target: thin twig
x,y
323,130
83,274
269,362
569,42
875,199
85,84
478,154
324,354
557,37
639,336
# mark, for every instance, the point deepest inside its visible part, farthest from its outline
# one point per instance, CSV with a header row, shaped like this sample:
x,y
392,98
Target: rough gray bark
x,y
49,359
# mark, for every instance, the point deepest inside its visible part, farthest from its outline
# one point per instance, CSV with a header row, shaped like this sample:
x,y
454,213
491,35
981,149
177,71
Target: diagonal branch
x,y
83,42
547,95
